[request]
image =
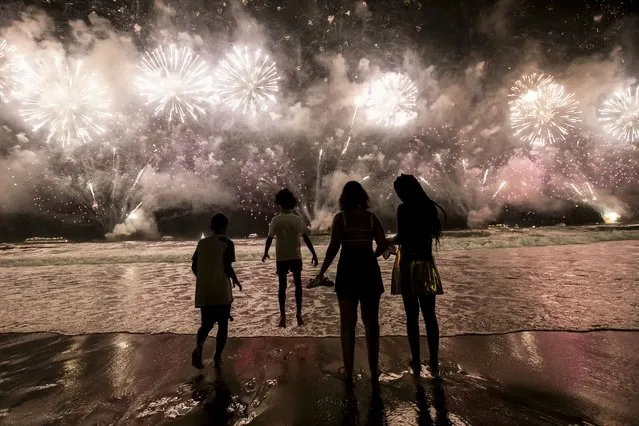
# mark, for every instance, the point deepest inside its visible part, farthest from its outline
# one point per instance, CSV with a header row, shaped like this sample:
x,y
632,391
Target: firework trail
x,y
391,100
68,102
542,111
619,115
247,80
176,81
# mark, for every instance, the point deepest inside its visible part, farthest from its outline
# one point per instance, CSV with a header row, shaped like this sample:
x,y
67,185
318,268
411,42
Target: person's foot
x,y
416,367
434,369
196,358
375,385
300,321
348,380
282,323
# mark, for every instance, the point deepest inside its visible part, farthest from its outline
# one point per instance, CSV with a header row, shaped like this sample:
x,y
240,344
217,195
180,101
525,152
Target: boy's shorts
x,y
284,266
212,314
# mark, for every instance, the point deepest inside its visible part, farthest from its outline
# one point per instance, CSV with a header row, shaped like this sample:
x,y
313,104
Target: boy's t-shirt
x,y
287,228
212,260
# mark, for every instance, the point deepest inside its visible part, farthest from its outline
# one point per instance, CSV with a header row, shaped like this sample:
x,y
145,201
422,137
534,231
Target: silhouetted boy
x,y
212,266
287,228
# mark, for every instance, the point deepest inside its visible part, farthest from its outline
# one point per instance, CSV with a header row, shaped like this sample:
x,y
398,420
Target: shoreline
x,y
533,378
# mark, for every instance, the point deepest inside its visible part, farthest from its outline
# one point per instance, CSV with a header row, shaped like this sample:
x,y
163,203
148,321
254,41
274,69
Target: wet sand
x,y
518,378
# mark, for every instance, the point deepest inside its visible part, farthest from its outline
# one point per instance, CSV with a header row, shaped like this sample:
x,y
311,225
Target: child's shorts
x,y
292,265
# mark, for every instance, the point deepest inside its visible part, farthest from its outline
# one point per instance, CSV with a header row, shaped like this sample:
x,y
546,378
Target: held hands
x,y
236,283
266,256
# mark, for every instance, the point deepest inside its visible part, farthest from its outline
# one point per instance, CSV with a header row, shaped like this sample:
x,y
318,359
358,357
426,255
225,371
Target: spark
x,y
502,185
542,111
348,142
95,204
391,100
71,103
176,81
134,212
619,115
247,80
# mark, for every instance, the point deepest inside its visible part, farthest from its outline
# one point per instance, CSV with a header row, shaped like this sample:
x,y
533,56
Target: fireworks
x,y
176,81
9,72
530,82
69,102
619,115
247,80
391,100
542,111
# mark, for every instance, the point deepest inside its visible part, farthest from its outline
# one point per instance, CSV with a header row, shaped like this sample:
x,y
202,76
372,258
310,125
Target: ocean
x,y
495,281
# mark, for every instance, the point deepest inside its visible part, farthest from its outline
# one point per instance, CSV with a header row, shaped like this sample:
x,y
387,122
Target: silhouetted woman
x,y
358,278
417,226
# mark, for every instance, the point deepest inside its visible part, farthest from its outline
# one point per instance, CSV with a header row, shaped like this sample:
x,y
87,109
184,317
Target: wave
x,y
249,250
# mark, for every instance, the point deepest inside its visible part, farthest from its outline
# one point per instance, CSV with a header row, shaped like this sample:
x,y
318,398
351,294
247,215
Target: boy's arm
x,y
194,263
309,244
267,246
228,259
269,239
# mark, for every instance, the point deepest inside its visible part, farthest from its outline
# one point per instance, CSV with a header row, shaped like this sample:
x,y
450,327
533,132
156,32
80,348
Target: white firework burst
x,y
543,113
247,80
11,77
390,100
619,114
71,104
176,81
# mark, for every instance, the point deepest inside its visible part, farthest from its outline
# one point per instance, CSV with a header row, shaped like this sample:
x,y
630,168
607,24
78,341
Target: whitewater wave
x,y
98,253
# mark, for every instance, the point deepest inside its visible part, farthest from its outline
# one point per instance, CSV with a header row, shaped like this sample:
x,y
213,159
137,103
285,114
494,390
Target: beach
x,y
535,378
539,327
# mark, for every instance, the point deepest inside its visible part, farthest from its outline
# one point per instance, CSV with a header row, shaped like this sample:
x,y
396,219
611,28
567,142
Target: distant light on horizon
x,y
611,217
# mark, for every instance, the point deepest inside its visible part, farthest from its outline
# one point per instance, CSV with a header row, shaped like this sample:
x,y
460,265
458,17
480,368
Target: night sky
x,y
438,43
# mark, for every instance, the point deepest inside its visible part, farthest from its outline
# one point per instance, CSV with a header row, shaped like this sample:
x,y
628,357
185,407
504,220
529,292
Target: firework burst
x,y
247,80
390,100
10,75
542,111
67,101
619,115
176,81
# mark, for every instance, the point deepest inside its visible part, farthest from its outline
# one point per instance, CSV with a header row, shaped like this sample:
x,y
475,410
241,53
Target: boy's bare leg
x,y
222,334
281,296
208,320
297,280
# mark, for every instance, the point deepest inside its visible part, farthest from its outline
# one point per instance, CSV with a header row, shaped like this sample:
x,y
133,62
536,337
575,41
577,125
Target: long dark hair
x,y
354,196
412,194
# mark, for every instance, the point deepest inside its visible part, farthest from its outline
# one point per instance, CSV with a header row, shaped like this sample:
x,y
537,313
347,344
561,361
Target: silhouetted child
x,y
212,265
287,228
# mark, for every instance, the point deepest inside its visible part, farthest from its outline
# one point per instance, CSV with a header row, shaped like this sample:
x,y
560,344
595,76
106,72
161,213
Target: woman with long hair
x,y
358,279
418,225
